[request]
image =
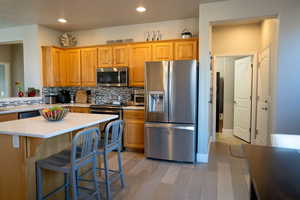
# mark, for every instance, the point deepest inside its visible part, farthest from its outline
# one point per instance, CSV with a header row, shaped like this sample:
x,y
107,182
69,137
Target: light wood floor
x,y
223,178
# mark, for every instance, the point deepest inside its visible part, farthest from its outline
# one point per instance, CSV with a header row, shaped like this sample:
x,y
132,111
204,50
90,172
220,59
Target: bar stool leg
x,y
121,171
74,184
107,181
67,186
39,183
95,179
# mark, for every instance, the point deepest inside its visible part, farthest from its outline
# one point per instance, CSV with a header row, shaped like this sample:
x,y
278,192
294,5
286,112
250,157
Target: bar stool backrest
x,y
84,146
113,133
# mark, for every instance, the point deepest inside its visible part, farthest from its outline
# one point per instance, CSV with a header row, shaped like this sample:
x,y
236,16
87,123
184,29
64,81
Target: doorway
x,y
242,75
234,79
4,80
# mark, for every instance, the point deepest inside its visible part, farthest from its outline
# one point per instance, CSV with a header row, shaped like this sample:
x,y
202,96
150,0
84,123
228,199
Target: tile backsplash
x,y
16,101
99,95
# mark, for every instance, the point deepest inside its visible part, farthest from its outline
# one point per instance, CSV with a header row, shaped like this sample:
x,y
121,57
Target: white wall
x,y
27,34
169,30
236,39
5,53
33,37
287,111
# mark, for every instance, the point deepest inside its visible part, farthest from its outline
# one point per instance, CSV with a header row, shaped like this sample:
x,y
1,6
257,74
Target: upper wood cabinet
x,y
89,62
120,56
105,56
113,56
138,54
185,50
52,59
72,67
162,51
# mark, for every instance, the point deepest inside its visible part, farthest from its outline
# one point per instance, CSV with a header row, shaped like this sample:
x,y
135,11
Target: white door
x,y
263,96
242,98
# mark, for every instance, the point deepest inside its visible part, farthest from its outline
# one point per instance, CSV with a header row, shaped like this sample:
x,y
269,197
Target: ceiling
x,y
87,14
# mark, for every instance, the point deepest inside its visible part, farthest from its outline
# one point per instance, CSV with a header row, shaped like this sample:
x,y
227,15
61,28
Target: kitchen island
x,y
23,142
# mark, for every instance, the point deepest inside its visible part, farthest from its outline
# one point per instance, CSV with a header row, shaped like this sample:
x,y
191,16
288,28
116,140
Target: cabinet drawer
x,y
133,114
8,117
80,109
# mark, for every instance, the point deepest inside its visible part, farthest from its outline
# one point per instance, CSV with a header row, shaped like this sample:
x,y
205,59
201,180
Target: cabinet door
x,y
89,62
105,56
72,67
120,55
134,134
134,128
139,54
186,50
52,66
162,51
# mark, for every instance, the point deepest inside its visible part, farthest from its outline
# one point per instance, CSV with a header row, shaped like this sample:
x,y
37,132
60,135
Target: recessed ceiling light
x,y
141,9
62,20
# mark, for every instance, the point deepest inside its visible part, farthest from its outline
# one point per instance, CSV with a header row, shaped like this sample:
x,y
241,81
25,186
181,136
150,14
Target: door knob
x,y
265,108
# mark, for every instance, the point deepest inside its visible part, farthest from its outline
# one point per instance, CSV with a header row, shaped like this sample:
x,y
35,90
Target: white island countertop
x,y
38,127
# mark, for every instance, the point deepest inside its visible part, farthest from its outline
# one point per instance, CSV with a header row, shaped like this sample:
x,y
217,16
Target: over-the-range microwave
x,y
112,76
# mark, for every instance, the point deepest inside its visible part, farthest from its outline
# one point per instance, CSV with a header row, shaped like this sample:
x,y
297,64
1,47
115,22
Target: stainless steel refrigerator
x,y
171,110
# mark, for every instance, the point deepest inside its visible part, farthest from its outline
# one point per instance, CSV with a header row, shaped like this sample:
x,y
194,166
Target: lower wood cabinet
x,y
8,117
134,128
80,109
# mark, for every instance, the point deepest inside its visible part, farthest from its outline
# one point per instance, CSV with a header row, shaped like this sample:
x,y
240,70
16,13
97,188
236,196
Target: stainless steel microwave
x,y
112,76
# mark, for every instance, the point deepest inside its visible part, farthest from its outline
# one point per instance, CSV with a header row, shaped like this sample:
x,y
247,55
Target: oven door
x,y
112,76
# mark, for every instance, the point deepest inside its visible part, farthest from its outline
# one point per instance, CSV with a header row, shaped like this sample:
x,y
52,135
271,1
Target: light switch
x,y
16,141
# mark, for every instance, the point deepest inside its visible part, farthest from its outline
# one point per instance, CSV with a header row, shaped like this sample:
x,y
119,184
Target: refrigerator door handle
x,y
175,126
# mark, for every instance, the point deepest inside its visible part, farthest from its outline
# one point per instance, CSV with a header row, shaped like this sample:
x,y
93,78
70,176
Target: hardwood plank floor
x,y
223,178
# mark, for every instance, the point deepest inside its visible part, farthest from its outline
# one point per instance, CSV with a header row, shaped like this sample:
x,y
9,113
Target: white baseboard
x,y
285,141
227,132
203,157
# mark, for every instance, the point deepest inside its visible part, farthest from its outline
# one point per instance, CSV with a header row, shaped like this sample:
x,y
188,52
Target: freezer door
x,y
174,142
156,91
183,91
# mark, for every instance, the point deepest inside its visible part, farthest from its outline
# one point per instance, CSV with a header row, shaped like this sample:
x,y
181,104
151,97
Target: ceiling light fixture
x,y
62,20
141,9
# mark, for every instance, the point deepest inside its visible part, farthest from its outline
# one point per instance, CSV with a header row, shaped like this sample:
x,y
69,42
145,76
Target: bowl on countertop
x,y
55,113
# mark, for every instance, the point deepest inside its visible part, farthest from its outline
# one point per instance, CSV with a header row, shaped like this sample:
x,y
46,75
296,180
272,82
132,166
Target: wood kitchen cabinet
x,y
80,109
105,56
134,128
138,55
113,56
120,56
77,66
162,51
8,117
89,62
185,50
72,67
53,75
